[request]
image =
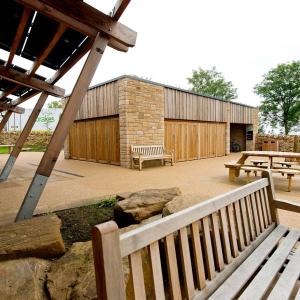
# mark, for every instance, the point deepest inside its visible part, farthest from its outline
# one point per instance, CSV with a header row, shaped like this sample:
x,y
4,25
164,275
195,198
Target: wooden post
x,y
61,131
271,196
108,262
5,119
23,136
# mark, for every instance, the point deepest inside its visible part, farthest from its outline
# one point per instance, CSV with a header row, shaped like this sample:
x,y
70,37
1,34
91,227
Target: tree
x,y
46,119
212,83
280,89
55,104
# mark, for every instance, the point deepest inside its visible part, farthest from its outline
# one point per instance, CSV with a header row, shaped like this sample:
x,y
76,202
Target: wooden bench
x,y
10,147
139,154
227,247
290,174
249,169
234,170
286,164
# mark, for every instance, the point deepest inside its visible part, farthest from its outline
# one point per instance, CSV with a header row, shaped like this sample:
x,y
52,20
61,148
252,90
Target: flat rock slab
x,y
23,279
183,201
143,205
39,237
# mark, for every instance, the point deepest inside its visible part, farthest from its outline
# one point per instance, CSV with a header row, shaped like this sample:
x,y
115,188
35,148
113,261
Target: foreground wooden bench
x,y
139,154
227,247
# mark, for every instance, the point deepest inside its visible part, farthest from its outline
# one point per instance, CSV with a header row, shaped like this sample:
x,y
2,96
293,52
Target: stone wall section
x,y
289,143
141,116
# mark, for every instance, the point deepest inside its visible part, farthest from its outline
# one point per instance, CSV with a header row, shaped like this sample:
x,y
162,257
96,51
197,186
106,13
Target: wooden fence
x,y
195,140
95,140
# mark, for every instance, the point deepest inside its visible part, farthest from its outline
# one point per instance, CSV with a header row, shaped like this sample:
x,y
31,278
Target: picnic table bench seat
x,y
141,153
290,174
231,246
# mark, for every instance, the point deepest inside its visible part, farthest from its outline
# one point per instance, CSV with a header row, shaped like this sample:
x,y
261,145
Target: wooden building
x,y
131,111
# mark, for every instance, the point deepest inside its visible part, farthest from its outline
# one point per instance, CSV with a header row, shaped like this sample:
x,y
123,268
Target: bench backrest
x,y
150,150
191,252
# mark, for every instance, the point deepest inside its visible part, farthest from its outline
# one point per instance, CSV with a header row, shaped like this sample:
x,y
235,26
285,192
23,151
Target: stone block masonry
x,y
141,116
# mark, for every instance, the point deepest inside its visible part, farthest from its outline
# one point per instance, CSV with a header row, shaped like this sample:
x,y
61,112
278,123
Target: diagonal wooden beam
x,y
61,131
19,34
119,8
31,82
5,119
83,18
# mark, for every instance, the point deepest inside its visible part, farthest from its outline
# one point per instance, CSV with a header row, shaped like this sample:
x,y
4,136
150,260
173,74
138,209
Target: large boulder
x,y
23,279
183,201
73,277
142,205
39,237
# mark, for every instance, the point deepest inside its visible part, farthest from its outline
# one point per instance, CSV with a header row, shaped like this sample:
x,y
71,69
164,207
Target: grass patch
x,y
109,202
4,150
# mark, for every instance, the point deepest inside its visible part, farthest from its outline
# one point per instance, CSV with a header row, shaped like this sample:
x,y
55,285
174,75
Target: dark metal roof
x,y
39,32
8,85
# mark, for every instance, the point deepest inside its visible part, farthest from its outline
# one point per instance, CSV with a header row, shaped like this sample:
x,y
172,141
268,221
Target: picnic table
x,y
287,168
270,155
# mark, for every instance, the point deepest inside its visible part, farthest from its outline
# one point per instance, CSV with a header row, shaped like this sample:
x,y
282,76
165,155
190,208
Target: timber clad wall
x,y
131,111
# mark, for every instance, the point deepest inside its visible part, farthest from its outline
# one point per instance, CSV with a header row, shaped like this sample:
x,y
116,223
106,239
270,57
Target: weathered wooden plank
x,y
287,281
264,278
225,236
156,271
172,266
230,288
239,226
217,241
232,231
245,221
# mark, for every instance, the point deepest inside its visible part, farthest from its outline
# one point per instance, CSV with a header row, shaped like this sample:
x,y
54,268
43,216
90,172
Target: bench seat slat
x,y
156,271
230,288
285,284
264,278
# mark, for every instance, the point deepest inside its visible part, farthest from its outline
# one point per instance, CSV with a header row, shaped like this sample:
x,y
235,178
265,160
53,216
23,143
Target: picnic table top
x,y
271,154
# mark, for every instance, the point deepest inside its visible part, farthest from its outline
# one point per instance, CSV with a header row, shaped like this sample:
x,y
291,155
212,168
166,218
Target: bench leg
x,y
248,176
231,174
289,177
140,164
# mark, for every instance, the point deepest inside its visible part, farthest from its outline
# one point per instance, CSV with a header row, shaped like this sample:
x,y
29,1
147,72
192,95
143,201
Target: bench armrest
x,y
287,205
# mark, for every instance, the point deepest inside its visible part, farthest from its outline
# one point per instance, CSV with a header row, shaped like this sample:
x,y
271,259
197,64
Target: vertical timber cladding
x,y
195,140
95,140
95,134
195,126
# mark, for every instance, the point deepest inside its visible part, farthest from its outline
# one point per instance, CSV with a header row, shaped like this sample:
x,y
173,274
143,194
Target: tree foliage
x,y
280,89
55,104
212,83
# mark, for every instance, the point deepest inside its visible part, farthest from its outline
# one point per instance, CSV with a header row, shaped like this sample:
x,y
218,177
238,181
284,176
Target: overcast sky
x,y
242,38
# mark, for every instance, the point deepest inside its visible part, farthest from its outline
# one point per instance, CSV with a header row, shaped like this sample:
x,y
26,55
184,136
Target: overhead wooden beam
x,y
119,8
31,82
18,35
40,59
83,18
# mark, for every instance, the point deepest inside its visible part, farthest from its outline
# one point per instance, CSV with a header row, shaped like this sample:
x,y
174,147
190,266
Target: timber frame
x,y
74,28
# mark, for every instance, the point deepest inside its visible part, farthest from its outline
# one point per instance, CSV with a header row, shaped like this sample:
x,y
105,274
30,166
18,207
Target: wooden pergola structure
x,y
56,34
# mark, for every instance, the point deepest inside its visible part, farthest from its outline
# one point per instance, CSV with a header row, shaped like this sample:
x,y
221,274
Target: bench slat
x,y
285,284
245,221
264,278
230,288
217,241
264,208
225,235
186,263
198,256
156,271
267,205
250,218
172,267
255,214
137,275
240,234
260,216
232,231
208,251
